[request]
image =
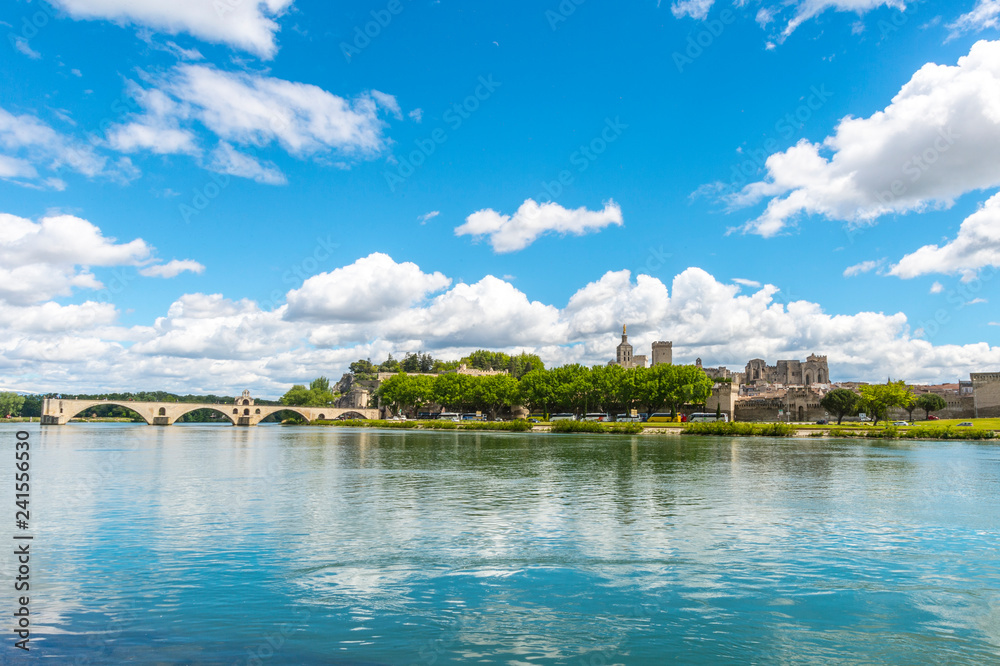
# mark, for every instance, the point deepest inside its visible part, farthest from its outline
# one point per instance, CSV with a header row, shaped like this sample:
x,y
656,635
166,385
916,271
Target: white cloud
x,y
249,26
511,233
228,160
696,9
22,45
172,268
253,110
976,301
937,288
986,14
369,289
376,305
797,11
30,144
936,141
746,283
863,267
976,246
428,216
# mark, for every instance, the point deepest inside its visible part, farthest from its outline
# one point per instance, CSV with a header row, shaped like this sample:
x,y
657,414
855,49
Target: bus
x,y
662,417
702,417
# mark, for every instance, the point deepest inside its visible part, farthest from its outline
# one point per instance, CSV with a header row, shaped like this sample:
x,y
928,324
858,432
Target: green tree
x,y
494,392
840,402
878,399
403,391
389,365
524,363
537,391
363,367
10,404
317,395
930,402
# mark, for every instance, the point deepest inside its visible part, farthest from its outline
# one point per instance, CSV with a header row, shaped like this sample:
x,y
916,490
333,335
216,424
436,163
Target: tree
x,y
317,395
930,402
363,367
404,391
840,402
494,392
537,391
389,365
880,398
10,404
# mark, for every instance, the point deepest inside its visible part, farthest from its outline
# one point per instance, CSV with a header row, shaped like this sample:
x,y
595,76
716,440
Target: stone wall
x,y
986,394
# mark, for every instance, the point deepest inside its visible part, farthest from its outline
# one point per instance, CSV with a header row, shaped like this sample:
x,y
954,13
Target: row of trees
x,y
570,388
517,365
878,399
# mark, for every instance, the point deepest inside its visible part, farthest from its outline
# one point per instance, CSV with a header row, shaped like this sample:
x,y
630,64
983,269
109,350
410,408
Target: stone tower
x,y
663,353
623,354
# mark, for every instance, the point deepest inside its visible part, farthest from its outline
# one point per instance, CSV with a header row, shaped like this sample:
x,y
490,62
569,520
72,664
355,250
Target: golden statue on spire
x,y
623,330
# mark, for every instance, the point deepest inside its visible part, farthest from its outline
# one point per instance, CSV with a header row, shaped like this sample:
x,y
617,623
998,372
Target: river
x,y
276,544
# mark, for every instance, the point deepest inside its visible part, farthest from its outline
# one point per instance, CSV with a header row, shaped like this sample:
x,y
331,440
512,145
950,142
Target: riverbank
x,y
720,429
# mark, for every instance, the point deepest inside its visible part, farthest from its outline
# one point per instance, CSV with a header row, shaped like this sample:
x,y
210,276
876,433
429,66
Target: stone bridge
x,y
58,411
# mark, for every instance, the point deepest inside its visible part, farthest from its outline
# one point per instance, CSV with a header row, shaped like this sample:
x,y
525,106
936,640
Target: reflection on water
x,y
206,544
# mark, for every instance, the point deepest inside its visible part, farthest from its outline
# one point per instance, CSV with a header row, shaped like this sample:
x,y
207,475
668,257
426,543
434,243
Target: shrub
x,y
731,428
578,426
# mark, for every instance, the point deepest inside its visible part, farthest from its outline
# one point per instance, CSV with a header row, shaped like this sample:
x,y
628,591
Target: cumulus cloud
x,y
976,246
937,288
986,14
509,233
369,289
696,9
376,305
172,268
936,141
44,259
249,26
252,110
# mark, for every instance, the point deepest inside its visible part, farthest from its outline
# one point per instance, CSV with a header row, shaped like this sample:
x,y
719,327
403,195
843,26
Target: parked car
x,y
449,416
702,417
965,424
563,417
822,422
532,419
933,418
900,423
596,416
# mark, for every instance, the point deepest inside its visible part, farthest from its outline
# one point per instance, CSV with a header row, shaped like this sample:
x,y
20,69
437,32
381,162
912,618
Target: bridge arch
x,y
350,415
195,407
270,411
102,403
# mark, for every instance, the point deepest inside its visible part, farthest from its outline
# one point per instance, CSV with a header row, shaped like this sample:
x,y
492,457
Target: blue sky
x,y
252,195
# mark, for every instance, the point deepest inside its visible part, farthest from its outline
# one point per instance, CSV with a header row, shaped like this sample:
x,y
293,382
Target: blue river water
x,y
297,545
